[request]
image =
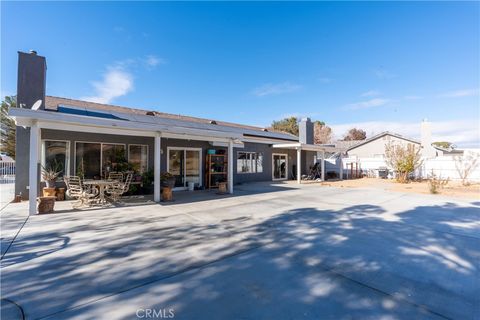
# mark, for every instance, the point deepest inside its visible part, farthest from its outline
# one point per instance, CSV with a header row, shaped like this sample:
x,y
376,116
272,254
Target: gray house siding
x,y
72,137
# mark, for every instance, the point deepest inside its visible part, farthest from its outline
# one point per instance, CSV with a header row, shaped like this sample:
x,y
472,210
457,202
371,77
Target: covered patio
x,y
320,150
117,124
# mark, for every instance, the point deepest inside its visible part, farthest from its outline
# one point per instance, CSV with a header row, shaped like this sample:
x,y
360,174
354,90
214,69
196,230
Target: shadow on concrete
x,y
356,262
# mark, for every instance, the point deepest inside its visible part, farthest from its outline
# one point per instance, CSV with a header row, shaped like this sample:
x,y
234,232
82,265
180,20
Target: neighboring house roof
x,y
380,135
79,107
345,145
399,136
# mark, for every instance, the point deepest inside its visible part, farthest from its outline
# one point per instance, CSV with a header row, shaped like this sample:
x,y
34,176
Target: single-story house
x,y
374,147
90,139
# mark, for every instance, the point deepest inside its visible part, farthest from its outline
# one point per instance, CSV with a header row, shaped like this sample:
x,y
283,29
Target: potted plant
x,y
167,180
49,175
147,181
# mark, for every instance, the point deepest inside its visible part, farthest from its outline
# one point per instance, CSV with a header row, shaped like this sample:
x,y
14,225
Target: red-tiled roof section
x,y
51,103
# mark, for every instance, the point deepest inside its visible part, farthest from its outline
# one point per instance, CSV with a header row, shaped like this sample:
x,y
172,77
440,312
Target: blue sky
x,y
379,66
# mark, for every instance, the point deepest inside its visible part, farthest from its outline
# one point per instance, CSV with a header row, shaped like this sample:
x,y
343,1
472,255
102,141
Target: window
x,y
56,154
249,162
94,158
114,158
138,157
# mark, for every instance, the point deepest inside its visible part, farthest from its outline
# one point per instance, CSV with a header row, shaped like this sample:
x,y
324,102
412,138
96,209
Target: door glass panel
x,y
279,167
176,166
113,158
87,160
192,166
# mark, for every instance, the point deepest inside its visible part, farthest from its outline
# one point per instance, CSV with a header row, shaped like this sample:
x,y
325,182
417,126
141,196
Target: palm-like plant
x,y
50,173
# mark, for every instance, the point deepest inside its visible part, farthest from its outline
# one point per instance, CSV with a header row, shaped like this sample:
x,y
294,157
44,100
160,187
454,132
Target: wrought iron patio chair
x,y
118,189
76,190
115,176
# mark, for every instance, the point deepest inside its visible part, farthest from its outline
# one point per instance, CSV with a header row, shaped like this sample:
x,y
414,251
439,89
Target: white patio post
x,y
323,165
299,165
33,168
341,166
230,166
156,167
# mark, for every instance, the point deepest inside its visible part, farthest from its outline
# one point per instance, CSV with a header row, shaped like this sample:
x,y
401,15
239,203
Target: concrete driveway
x,y
270,252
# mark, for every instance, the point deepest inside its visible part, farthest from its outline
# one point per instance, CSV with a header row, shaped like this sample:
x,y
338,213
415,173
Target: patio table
x,y
101,187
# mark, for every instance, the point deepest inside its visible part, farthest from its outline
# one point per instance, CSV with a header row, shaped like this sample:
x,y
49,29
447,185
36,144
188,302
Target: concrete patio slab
x,y
305,251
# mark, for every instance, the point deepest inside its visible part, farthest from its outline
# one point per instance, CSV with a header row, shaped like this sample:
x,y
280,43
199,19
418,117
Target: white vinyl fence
x,y
7,172
443,167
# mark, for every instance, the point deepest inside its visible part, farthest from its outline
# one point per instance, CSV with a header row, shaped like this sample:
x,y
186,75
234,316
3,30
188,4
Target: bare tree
x,y
322,133
403,158
466,164
355,134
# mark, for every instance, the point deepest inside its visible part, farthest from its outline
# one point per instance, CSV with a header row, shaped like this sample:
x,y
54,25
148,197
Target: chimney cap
x,y
34,52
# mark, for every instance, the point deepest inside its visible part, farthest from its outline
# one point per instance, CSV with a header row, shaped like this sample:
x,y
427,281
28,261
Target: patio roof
x,y
307,147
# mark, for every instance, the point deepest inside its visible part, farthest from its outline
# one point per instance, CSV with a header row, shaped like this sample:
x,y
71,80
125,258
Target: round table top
x,y
98,182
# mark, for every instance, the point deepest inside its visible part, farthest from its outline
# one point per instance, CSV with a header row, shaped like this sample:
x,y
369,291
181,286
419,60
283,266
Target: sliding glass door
x,y
185,164
279,166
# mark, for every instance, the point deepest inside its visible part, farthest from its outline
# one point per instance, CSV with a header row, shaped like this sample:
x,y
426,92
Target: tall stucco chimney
x,y
305,131
31,81
426,139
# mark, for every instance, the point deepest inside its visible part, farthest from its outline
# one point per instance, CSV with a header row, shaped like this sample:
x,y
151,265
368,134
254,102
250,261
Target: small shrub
x,y
435,184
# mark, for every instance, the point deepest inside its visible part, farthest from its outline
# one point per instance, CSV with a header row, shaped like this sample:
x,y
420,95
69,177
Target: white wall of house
x,y
376,148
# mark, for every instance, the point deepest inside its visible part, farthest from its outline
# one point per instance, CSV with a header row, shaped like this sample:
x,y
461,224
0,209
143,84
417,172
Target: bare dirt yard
x,y
453,189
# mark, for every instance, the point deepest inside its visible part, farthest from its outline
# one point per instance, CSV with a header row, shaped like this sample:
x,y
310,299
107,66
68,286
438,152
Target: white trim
x,y
136,145
256,153
185,149
157,149
63,121
307,147
299,165
230,166
273,166
33,168
68,154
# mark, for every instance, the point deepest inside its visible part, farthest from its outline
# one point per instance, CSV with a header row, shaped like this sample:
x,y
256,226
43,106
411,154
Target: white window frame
x,y
200,160
101,152
67,156
273,166
252,163
137,145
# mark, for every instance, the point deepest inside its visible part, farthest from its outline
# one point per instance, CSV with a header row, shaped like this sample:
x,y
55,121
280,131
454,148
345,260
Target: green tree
x,y
7,143
443,144
289,125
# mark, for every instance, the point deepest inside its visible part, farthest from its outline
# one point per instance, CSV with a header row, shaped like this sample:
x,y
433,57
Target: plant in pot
x,y
49,175
167,180
147,181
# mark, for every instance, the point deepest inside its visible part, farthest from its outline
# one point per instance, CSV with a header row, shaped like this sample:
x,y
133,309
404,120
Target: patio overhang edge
x,y
52,120
307,147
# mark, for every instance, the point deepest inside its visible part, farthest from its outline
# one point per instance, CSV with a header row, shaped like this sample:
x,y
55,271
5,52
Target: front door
x,y
185,165
279,166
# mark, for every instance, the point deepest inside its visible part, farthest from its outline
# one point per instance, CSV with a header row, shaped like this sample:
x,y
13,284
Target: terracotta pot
x,y
49,192
222,187
167,194
61,194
